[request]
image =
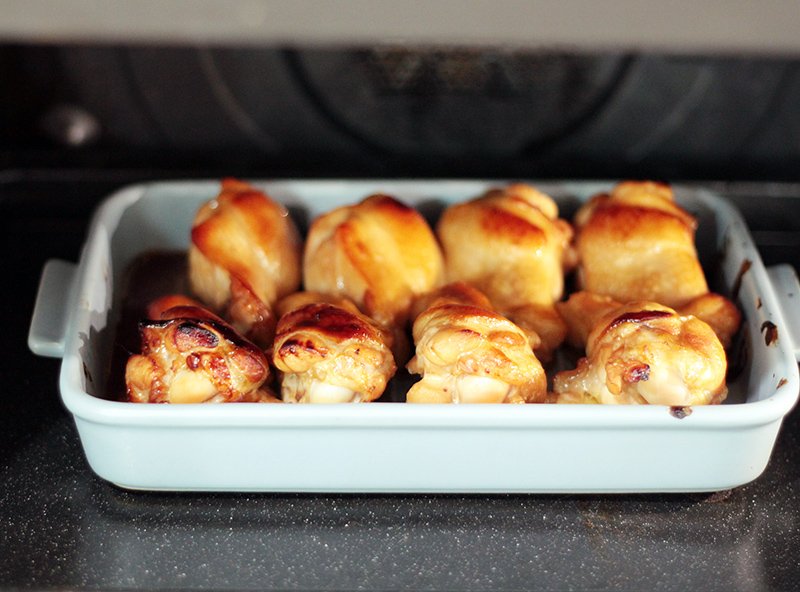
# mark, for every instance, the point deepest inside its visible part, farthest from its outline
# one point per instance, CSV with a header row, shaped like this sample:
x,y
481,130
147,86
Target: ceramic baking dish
x,y
397,447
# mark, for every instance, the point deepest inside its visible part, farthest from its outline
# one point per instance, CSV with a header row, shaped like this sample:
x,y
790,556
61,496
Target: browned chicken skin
x,y
646,353
327,351
380,254
636,243
720,313
583,310
171,305
511,245
245,254
466,353
190,355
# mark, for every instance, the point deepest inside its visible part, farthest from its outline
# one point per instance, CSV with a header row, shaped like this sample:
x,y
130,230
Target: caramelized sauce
x,y
770,331
680,412
737,283
641,316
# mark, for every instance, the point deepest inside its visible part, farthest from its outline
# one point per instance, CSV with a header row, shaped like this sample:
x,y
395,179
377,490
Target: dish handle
x,y
787,288
52,308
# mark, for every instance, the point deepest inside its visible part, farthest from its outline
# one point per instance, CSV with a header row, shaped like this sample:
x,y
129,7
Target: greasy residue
x,y
770,331
680,411
737,285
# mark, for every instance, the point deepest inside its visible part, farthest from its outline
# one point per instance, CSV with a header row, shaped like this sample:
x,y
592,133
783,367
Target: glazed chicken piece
x,y
245,254
466,353
646,353
453,293
583,310
381,255
190,355
511,245
636,243
719,312
327,351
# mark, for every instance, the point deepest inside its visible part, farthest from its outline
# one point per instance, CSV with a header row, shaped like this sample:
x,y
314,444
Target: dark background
x,y
400,111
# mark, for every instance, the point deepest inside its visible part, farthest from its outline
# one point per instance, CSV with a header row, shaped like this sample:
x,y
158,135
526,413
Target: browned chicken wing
x,y
583,310
646,353
245,254
511,245
379,253
189,355
636,243
719,312
466,353
327,351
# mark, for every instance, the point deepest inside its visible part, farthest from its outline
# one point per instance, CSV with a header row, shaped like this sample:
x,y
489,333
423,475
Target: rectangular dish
x,y
394,447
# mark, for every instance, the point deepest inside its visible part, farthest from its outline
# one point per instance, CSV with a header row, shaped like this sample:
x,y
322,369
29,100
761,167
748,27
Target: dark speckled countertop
x,y
63,528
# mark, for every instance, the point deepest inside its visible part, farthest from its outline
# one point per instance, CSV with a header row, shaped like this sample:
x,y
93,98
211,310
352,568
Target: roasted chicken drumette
x,y
583,310
381,255
245,254
190,355
467,353
511,245
636,243
646,353
327,351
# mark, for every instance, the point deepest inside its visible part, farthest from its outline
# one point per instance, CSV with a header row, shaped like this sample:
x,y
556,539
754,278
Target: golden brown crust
x,y
327,352
453,293
297,300
646,353
637,244
468,353
511,245
191,356
720,313
581,312
244,255
643,194
174,305
380,254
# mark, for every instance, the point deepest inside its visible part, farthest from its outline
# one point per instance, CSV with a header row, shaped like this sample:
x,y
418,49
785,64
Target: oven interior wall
x,y
399,111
